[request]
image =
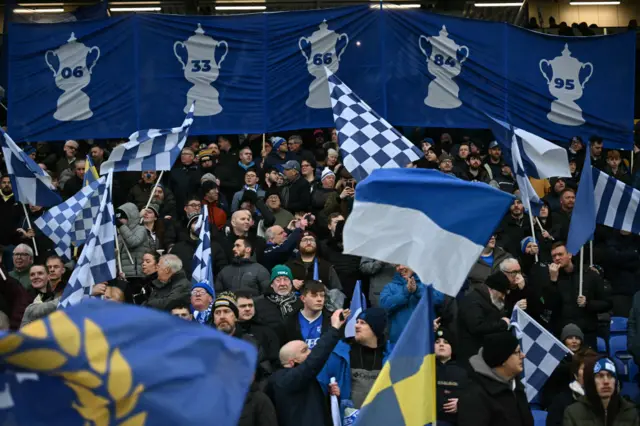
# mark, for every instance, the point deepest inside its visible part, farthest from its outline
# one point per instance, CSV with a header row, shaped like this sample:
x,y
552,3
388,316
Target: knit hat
x,y
276,141
226,299
605,364
281,271
317,132
498,347
208,176
571,330
525,242
29,149
203,285
326,173
377,320
208,185
205,155
155,208
308,234
121,214
194,218
250,196
444,333
498,281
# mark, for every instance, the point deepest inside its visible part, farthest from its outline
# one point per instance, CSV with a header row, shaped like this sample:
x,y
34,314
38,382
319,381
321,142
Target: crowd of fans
x,y
277,210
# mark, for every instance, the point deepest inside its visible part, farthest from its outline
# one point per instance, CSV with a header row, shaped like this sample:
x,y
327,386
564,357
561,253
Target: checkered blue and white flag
x,y
202,262
151,149
97,262
367,141
543,352
70,222
31,185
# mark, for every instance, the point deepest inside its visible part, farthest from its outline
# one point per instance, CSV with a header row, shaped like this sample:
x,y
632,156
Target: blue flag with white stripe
x,y
419,222
358,304
151,149
97,262
31,185
202,262
543,352
616,203
70,222
583,217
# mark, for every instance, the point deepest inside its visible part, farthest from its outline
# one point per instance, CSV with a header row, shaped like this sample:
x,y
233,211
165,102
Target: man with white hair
x,y
521,291
171,285
22,261
70,153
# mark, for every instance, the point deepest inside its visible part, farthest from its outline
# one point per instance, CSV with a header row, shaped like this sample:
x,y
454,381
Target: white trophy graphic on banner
x,y
444,62
72,64
322,50
566,77
198,58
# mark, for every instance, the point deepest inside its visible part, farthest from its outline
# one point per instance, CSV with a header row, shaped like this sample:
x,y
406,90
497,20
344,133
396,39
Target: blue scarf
x,y
248,166
316,274
256,189
202,317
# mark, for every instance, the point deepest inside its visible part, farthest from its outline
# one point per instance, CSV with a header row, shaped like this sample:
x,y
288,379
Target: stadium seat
x,y
539,417
602,346
618,325
619,354
630,390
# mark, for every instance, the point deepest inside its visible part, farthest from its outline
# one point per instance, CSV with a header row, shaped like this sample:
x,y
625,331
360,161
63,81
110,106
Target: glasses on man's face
x,y
20,255
308,240
198,293
195,205
514,273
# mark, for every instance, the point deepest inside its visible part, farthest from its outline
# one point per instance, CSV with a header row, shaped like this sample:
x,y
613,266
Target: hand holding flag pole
x,y
33,239
153,192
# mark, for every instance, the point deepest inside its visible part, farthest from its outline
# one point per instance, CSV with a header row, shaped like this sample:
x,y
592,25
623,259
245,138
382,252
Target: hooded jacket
x,y
164,294
134,239
400,304
491,400
243,273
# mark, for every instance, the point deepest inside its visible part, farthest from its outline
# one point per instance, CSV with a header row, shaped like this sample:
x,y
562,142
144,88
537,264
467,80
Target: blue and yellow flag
x,y
103,363
90,172
405,391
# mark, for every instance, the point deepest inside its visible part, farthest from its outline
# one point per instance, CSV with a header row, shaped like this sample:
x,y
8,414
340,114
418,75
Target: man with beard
x,y
279,155
481,312
474,172
562,217
242,226
279,302
310,267
243,272
312,320
202,301
513,228
494,163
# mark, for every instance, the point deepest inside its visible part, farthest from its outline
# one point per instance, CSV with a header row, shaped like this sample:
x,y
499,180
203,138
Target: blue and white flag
x,y
367,141
70,222
31,185
543,352
419,222
202,262
151,149
97,262
583,218
358,304
530,199
541,159
616,204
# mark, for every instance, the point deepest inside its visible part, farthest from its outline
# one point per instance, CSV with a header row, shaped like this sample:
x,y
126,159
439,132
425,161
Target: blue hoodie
x,y
400,304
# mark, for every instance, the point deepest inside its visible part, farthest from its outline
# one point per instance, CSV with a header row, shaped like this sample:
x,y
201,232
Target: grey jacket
x,y
235,202
380,273
134,240
243,273
39,309
163,294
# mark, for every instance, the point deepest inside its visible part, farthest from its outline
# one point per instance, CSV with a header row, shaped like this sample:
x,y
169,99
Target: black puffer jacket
x,y
491,400
164,294
258,409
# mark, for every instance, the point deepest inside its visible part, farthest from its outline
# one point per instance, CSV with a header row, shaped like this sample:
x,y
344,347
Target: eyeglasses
x,y
21,255
195,205
308,240
513,273
198,292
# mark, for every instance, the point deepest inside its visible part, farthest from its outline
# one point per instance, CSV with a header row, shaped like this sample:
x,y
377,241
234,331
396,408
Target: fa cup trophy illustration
x,y
72,64
566,77
444,62
323,49
198,58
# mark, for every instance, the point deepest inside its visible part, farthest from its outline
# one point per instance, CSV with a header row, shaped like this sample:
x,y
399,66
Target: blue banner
x,y
265,73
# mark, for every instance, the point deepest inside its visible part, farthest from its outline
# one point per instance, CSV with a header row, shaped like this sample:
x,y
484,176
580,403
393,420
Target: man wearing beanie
x,y
451,379
225,313
601,404
295,391
296,194
495,396
481,312
356,363
279,154
202,301
279,302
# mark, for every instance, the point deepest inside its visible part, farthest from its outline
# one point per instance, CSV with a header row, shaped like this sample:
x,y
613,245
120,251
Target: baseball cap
x,y
292,164
493,144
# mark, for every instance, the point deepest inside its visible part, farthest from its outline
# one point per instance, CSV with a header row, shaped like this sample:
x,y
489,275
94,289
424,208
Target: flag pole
x,y
581,270
541,228
118,260
533,231
153,191
33,239
591,253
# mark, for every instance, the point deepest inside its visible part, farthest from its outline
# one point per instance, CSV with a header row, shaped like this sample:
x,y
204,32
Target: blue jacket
x,y
400,304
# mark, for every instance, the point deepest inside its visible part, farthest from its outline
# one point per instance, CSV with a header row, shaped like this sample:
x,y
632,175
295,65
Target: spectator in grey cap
x,y
296,194
572,337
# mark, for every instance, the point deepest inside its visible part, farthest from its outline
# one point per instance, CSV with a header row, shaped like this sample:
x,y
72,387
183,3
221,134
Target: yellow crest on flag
x,y
107,369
